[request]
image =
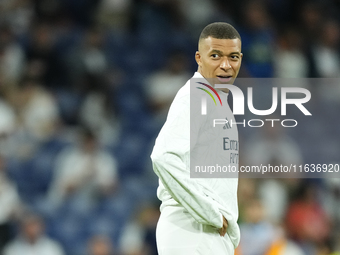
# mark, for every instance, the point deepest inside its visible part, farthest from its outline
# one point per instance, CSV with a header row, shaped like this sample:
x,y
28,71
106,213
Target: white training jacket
x,y
206,199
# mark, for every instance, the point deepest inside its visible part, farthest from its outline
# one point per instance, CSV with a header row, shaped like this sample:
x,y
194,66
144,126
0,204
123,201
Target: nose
x,y
225,65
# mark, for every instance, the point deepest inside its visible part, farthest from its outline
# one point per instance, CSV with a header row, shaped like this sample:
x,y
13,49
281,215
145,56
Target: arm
x,y
171,162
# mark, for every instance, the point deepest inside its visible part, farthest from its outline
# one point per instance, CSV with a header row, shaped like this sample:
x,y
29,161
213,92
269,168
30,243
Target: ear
x,y
198,58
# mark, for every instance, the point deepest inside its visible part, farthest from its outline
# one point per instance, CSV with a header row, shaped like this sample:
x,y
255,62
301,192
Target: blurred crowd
x,y
85,86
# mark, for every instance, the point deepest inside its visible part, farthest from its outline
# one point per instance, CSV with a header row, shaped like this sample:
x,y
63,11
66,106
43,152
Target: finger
x,y
222,231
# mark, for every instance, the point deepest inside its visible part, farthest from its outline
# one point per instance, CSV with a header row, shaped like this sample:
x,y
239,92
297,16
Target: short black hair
x,y
219,30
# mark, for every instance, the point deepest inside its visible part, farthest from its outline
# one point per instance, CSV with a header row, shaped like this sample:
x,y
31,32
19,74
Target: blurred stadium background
x,y
84,89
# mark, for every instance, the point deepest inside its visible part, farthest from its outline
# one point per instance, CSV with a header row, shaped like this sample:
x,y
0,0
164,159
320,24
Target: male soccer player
x,y
199,216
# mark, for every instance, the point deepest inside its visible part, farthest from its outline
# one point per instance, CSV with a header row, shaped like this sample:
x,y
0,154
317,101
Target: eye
x,y
235,57
214,55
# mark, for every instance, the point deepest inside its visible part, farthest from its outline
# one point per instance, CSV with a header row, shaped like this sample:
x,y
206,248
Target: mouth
x,y
224,78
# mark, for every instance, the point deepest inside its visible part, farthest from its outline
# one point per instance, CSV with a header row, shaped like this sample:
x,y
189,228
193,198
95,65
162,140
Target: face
x,y
219,60
32,229
100,246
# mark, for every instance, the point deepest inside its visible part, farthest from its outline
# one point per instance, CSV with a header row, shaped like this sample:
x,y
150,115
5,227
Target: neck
x,y
212,82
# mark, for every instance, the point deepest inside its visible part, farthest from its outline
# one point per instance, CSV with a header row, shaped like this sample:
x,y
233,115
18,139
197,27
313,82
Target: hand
x,y
223,230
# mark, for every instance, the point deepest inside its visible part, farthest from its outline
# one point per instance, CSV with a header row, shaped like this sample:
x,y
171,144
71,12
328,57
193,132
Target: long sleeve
x,y
171,162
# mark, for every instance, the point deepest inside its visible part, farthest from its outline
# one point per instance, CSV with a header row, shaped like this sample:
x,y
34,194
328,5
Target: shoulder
x,y
12,247
189,92
106,156
52,244
184,91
